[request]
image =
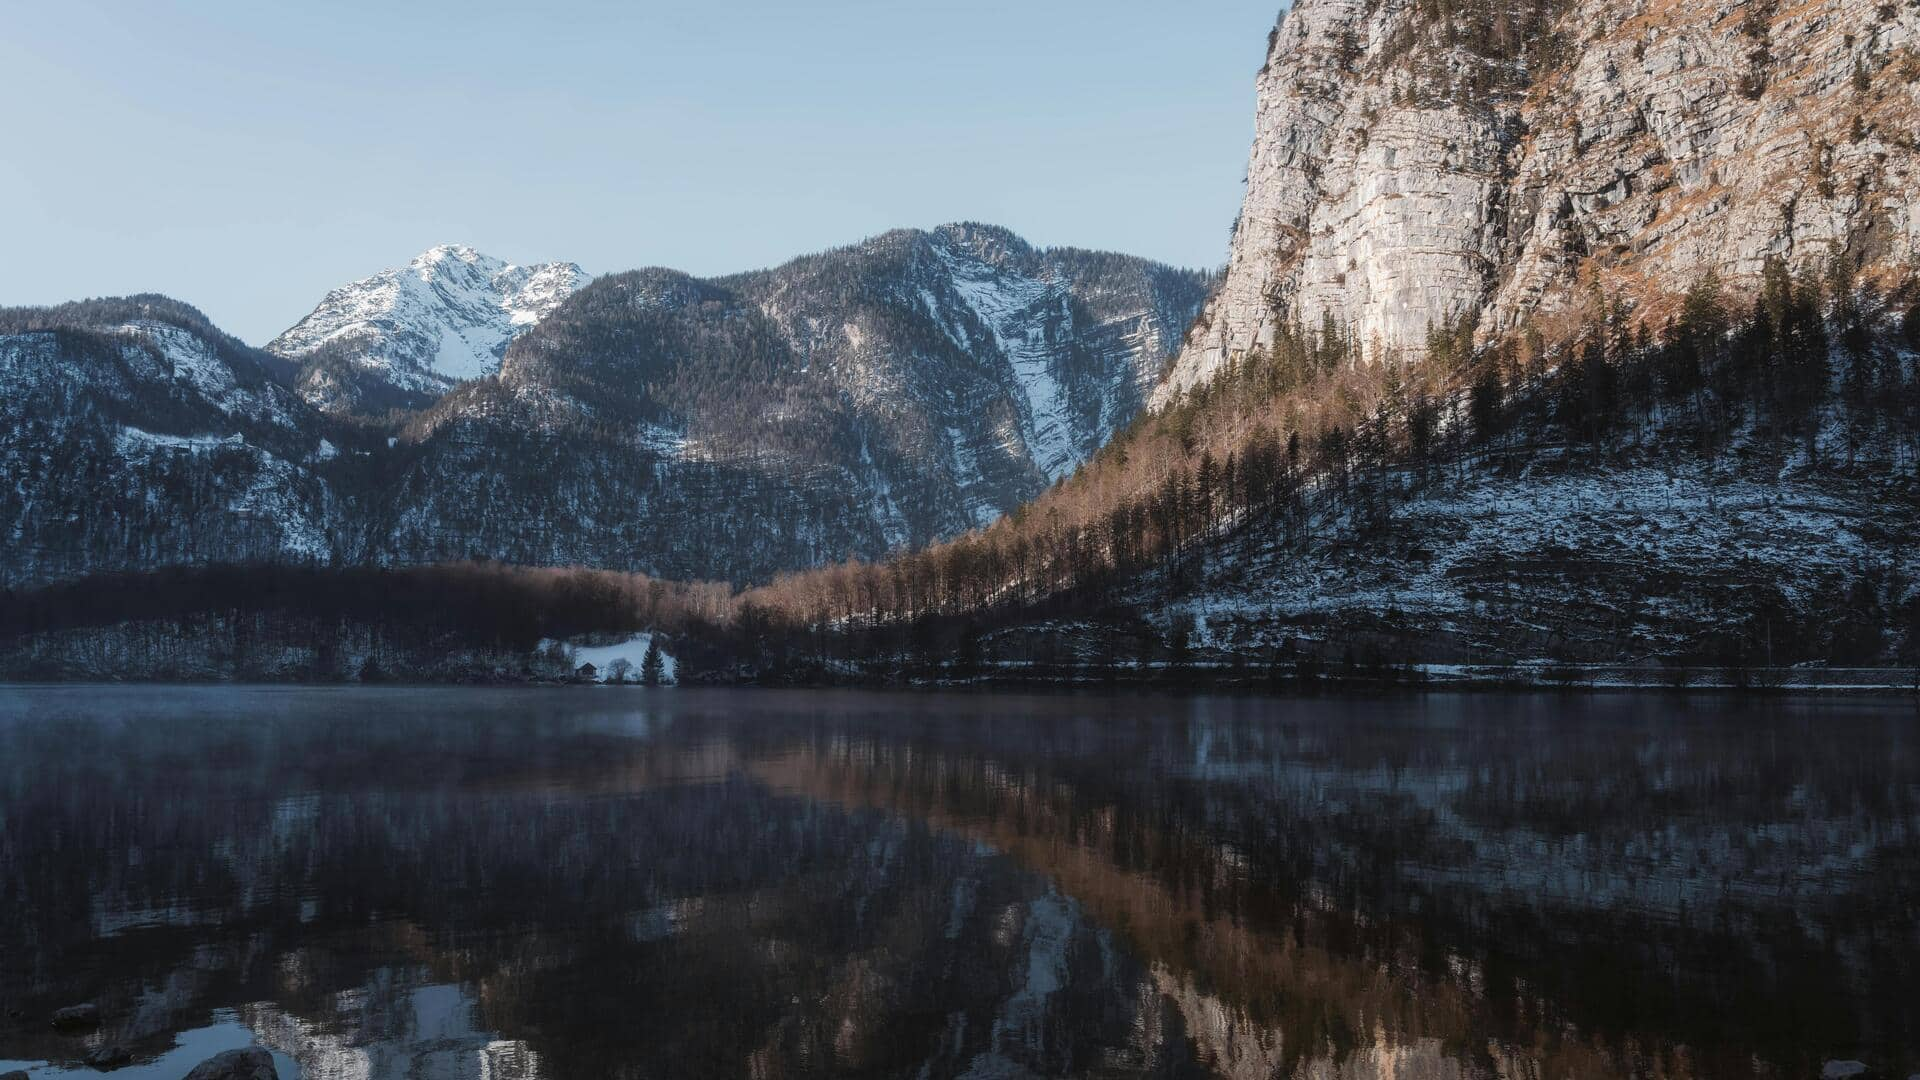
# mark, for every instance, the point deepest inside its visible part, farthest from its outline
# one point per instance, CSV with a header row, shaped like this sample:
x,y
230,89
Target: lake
x,y
590,883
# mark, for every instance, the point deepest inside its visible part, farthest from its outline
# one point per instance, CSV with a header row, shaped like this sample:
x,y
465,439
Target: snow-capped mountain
x,y
446,317
883,395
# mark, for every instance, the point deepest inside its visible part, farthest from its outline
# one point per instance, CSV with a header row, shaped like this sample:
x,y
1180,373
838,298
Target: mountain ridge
x,y
867,369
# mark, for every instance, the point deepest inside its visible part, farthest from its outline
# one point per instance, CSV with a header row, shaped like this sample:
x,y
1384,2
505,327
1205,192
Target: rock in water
x,y
252,1063
1843,1070
77,1016
14,1075
108,1057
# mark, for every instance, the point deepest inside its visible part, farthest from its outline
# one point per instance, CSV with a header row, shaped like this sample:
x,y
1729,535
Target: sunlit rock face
x,y
1402,176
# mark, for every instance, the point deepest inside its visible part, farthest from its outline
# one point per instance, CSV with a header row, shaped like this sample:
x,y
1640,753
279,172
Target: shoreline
x,y
1875,683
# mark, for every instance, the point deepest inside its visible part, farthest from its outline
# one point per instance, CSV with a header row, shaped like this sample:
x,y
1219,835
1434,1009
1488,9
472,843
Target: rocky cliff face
x,y
1419,161
445,317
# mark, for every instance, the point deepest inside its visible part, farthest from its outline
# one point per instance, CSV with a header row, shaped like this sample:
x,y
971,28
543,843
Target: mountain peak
x,y
442,253
447,316
981,235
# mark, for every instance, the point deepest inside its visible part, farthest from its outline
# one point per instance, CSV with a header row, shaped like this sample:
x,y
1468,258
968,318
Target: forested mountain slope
x,y
135,434
1738,499
1618,511
862,401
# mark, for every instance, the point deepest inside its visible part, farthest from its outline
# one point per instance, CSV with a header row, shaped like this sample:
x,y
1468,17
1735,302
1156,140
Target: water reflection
x,y
596,883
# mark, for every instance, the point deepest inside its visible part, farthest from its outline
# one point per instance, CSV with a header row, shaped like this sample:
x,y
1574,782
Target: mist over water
x,y
602,883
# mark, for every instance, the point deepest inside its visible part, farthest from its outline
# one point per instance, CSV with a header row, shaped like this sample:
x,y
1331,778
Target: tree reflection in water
x,y
599,883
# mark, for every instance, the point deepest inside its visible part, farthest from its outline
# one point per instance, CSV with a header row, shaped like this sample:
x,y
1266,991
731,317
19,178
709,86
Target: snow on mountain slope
x,y
446,317
1658,547
1010,307
1616,565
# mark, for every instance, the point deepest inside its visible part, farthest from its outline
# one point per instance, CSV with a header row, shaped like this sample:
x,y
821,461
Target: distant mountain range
x,y
845,404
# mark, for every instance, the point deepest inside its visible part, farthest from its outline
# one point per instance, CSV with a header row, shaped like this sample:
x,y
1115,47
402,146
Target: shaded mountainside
x,y
136,435
1640,513
847,404
1646,537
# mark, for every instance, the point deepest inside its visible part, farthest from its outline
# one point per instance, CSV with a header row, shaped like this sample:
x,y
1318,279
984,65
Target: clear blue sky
x,y
246,155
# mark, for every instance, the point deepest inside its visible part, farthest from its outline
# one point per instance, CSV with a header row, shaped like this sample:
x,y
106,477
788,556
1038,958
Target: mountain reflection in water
x,y
571,884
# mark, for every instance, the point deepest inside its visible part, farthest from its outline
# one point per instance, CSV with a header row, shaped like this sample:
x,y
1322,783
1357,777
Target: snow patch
x,y
132,442
1008,307
633,651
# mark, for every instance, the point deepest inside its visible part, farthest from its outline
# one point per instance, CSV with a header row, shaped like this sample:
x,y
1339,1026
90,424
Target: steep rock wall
x,y
1417,161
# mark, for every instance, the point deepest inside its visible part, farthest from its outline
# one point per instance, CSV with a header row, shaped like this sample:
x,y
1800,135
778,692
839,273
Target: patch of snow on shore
x,y
633,651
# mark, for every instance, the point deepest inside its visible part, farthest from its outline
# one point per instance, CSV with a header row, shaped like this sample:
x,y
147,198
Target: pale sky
x,y
247,155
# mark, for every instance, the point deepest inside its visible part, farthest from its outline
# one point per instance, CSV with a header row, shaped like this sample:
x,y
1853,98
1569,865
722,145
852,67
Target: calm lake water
x,y
605,883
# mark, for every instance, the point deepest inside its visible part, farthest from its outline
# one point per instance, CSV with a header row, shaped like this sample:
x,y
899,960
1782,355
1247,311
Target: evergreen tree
x,y
652,666
1180,645
1484,405
968,659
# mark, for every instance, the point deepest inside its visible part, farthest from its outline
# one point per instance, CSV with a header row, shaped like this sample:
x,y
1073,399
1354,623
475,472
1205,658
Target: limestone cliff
x,y
1417,161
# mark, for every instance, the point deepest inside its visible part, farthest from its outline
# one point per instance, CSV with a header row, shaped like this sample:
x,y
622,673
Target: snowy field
x,y
603,657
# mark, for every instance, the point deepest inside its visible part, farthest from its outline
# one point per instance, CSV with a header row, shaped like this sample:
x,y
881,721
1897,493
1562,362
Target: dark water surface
x,y
603,883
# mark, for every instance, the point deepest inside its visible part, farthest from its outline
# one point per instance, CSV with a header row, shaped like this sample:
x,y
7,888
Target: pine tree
x,y
1485,406
652,666
968,657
